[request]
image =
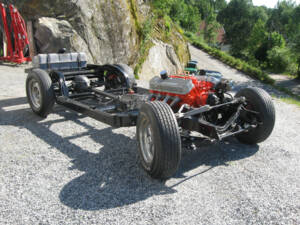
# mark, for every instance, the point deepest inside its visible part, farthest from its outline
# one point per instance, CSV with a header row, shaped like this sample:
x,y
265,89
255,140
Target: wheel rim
x,y
35,93
146,141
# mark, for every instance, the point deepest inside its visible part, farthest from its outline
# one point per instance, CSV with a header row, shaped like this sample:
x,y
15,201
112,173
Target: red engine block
x,y
196,97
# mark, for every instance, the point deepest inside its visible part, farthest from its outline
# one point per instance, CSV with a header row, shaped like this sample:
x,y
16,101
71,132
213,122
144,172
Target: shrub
x,y
279,59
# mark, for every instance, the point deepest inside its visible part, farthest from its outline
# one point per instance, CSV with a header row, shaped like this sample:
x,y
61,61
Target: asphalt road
x,y
70,169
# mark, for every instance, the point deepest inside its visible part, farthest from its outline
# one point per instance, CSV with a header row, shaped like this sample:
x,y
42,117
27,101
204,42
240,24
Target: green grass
x,y
290,100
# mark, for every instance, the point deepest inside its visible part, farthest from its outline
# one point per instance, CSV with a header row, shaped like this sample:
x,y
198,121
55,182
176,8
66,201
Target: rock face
x,y
52,34
161,56
108,31
107,27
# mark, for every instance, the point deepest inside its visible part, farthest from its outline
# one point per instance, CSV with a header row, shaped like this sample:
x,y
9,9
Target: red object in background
x,y
16,35
197,96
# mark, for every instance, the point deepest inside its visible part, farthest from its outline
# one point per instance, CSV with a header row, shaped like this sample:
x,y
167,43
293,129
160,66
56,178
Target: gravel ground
x,y
70,169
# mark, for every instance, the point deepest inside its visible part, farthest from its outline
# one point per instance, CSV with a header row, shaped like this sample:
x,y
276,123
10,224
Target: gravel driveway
x,y
70,169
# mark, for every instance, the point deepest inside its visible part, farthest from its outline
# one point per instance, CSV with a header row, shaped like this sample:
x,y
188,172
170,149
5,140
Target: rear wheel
x,y
40,93
158,139
260,101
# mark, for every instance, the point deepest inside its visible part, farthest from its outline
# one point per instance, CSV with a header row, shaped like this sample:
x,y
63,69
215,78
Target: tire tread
x,y
264,102
170,153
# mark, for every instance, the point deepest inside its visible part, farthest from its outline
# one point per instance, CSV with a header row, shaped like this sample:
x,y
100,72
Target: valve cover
x,y
177,86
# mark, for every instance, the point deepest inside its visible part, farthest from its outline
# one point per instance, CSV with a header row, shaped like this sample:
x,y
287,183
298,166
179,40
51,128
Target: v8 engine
x,y
195,91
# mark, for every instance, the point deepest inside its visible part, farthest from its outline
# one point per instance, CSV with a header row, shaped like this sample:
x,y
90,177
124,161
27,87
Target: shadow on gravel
x,y
12,102
12,112
112,177
293,85
213,155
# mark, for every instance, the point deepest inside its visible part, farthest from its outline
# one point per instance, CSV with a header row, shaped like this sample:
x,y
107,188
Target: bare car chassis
x,y
108,93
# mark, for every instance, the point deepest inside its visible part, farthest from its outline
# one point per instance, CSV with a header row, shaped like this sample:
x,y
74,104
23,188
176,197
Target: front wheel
x,y
260,101
158,140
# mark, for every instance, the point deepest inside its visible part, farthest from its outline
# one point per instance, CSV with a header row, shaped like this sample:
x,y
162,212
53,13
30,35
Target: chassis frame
x,y
109,94
124,113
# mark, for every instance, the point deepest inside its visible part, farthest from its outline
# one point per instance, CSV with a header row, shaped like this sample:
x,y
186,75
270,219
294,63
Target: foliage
x,y
296,51
179,11
207,7
145,45
258,36
220,5
208,11
163,6
146,29
260,42
279,59
190,18
257,45
190,13
254,32
276,40
211,28
283,18
238,19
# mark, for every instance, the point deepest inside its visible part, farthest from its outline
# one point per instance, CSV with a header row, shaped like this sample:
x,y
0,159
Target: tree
x,y
258,36
220,5
211,29
191,19
257,45
204,7
264,42
296,51
260,13
184,14
279,59
163,6
208,9
281,18
238,22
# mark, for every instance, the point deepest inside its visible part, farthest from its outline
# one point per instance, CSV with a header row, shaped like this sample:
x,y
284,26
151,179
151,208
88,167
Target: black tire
x,y
40,93
165,138
260,101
